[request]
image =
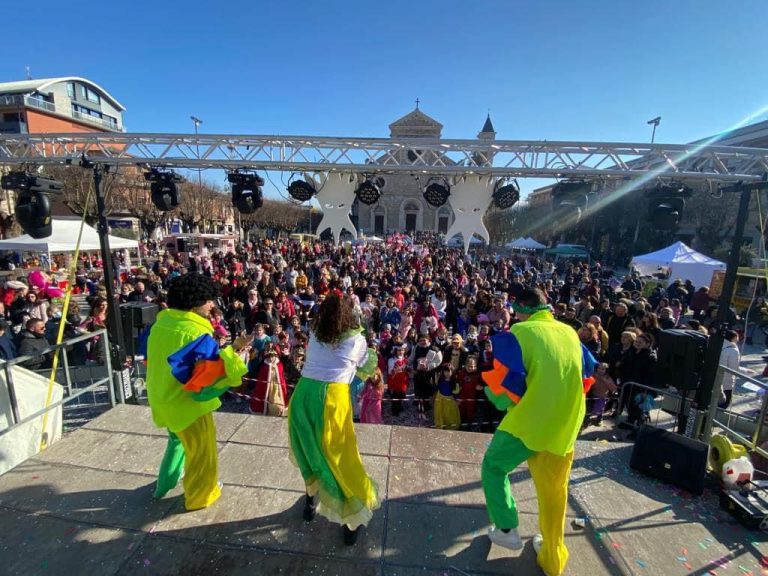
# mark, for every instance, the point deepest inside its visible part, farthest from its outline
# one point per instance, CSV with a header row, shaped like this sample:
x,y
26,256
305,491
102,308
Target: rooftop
x,y
42,84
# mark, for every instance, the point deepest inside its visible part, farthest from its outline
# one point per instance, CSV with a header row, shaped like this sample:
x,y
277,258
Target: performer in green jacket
x,y
186,374
539,376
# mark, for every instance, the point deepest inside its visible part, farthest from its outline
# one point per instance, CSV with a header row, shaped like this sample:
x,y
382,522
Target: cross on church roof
x,y
417,102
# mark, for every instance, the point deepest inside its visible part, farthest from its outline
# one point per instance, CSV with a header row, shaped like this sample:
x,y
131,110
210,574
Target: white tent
x,y
533,245
63,238
682,262
518,243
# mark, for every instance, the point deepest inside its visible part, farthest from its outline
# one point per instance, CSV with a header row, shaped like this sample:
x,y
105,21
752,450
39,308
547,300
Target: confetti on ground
x,y
44,564
702,546
600,533
682,559
616,545
429,537
641,564
688,565
147,562
397,477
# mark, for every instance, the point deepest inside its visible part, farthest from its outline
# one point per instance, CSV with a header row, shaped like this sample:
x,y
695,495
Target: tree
x,y
277,216
78,195
200,206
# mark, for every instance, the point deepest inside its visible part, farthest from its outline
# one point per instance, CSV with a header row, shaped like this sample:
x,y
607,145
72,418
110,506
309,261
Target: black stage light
x,y
301,190
33,207
164,192
437,192
368,192
26,181
247,196
667,202
507,195
666,214
33,213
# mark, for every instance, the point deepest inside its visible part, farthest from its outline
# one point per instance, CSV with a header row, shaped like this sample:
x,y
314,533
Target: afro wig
x,y
190,291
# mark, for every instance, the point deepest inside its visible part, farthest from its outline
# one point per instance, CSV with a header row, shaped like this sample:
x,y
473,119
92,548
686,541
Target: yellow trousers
x,y
550,475
194,449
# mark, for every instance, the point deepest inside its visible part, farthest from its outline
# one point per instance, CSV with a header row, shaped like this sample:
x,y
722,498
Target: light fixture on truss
x,y
437,191
506,195
247,196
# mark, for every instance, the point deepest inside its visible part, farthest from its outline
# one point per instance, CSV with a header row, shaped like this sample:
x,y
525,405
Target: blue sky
x,y
575,70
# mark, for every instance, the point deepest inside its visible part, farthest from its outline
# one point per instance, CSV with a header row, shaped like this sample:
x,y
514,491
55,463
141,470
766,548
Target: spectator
x,y
31,343
730,357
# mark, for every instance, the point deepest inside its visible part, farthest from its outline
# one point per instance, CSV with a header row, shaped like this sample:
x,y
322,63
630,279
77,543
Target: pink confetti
x,y
147,562
688,565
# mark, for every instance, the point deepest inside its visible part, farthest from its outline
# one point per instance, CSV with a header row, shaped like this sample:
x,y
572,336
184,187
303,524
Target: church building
x,y
401,207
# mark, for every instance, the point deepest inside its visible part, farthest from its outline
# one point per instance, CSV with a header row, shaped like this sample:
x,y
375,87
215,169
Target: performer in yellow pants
x,y
194,451
187,371
538,373
550,476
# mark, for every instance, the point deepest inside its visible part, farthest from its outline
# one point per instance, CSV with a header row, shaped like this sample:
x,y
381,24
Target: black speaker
x,y
670,457
134,316
680,358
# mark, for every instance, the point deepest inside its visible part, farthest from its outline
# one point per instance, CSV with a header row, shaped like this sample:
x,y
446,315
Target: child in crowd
x,y
270,394
260,338
385,334
447,415
370,399
599,393
398,379
470,391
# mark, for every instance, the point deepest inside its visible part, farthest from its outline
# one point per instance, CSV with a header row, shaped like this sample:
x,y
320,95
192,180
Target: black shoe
x,y
350,536
310,508
626,426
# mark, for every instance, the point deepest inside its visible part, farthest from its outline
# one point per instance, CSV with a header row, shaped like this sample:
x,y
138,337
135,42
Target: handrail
x,y
54,347
7,368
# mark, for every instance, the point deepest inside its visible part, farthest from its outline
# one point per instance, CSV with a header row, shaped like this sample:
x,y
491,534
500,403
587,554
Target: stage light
x,y
437,192
301,190
33,207
247,196
26,181
368,192
33,213
666,205
507,195
164,193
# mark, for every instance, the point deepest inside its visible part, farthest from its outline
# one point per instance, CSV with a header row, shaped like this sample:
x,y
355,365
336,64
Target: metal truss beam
x,y
383,155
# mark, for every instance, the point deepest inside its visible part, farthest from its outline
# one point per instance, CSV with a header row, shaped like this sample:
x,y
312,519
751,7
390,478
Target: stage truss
x,y
502,158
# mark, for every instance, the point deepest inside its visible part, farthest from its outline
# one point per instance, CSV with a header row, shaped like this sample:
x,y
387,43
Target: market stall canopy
x,y
682,261
533,245
517,243
63,238
567,250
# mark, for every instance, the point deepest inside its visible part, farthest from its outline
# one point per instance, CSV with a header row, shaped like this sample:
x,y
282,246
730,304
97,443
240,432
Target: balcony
x,y
96,120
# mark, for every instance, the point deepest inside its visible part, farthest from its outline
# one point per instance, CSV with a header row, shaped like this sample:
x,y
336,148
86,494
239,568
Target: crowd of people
x,y
429,311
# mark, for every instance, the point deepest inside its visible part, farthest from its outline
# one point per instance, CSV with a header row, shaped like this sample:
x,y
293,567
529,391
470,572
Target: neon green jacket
x,y
549,414
172,406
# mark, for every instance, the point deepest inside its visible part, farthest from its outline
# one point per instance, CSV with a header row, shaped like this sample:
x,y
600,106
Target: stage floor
x,y
84,506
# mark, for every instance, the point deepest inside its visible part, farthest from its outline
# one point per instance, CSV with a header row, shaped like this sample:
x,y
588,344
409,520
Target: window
x,y
71,90
89,94
12,117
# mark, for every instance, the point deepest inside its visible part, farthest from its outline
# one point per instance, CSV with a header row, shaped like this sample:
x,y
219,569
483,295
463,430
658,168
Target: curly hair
x,y
336,316
190,291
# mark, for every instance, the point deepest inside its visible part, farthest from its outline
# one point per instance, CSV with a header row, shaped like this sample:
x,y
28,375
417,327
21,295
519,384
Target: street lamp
x,y
197,123
655,121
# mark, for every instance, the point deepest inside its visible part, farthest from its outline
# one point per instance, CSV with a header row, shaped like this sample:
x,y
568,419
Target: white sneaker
x,y
509,539
538,542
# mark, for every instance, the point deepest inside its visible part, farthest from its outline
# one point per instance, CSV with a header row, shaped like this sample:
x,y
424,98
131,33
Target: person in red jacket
x,y
398,379
470,388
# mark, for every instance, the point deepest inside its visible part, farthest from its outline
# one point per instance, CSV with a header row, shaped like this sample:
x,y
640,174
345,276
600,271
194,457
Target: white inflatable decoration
x,y
336,192
470,198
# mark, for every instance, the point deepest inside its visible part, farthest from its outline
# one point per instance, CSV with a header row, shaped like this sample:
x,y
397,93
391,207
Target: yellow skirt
x,y
447,414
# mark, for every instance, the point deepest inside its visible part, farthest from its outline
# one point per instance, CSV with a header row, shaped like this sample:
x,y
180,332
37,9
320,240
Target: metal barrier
x,y
711,418
107,379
